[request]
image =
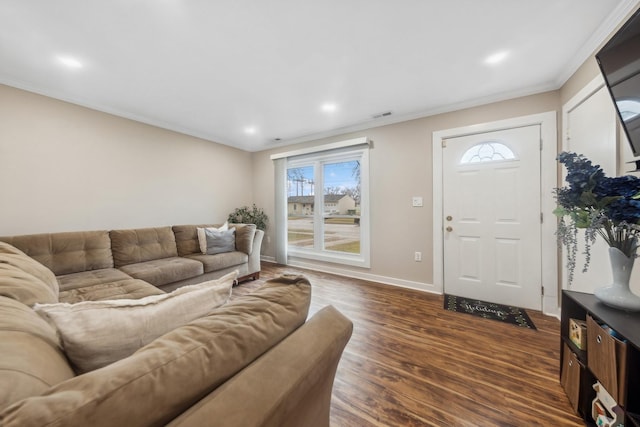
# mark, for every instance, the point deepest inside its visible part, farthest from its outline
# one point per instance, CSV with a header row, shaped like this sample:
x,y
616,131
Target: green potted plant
x,y
249,215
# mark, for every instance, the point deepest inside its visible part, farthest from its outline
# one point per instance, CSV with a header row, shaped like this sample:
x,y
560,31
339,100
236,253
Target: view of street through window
x,y
340,212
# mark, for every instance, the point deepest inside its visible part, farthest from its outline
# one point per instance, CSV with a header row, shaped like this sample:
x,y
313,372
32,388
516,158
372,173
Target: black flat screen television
x,y
619,62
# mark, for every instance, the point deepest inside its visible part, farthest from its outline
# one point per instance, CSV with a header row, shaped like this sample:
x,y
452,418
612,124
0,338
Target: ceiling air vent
x,y
385,114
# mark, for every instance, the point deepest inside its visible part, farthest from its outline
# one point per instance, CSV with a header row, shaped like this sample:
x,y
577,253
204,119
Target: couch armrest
x,y
289,386
253,264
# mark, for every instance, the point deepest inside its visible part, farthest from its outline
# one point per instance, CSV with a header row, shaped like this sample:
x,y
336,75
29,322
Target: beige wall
x,y
583,76
400,167
66,168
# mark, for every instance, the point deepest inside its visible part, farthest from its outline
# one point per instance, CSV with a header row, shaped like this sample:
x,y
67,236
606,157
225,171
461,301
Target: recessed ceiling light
x,y
70,62
329,107
496,58
250,130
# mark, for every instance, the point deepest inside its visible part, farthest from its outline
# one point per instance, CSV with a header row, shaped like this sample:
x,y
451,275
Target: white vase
x,y
618,295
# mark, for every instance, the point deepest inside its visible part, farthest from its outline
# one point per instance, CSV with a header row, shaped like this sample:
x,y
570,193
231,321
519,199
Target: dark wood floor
x,y
412,363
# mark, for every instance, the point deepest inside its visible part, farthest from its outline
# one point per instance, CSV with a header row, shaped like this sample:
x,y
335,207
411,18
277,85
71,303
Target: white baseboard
x,y
550,306
419,286
425,287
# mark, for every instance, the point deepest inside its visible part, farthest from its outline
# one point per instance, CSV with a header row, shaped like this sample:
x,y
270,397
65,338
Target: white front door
x,y
491,216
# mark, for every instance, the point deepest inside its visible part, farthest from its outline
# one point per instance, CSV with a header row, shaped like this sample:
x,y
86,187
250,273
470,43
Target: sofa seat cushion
x,y
97,333
24,279
104,284
163,271
32,359
220,261
163,379
119,289
91,278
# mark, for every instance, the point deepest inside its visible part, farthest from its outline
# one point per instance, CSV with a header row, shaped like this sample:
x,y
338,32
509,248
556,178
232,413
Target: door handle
x,y
449,228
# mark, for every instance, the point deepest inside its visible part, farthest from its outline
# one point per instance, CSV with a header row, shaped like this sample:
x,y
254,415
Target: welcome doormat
x,y
489,310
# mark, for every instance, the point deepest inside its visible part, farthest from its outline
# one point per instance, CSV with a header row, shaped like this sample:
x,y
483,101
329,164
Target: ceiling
x,y
258,74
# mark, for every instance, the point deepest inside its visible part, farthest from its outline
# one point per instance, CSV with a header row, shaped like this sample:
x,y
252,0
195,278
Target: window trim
x,y
321,148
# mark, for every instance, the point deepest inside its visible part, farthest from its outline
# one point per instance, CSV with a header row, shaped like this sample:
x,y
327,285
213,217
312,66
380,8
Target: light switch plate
x,y
417,201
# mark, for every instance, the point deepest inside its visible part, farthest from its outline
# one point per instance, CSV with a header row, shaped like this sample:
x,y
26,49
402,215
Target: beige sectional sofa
x,y
110,261
255,361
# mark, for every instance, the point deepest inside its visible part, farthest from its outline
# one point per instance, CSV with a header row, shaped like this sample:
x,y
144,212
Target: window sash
x,y
319,252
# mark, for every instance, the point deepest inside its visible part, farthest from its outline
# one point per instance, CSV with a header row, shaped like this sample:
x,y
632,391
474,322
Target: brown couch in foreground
x,y
256,361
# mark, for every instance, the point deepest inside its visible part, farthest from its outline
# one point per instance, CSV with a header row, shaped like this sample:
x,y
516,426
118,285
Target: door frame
x,y
548,178
582,96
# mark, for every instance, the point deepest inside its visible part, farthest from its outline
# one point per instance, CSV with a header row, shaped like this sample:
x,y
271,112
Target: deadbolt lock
x,y
449,218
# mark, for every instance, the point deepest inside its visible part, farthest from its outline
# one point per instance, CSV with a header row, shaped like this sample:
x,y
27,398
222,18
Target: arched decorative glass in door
x,y
487,151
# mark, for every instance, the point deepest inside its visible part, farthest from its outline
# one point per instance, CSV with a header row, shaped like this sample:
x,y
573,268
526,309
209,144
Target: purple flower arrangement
x,y
601,205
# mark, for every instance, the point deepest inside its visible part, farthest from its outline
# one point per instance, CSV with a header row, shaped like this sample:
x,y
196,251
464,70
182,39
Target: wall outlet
x,y
417,256
416,201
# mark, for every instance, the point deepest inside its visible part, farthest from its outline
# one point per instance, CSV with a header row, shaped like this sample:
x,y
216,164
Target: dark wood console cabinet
x,y
614,361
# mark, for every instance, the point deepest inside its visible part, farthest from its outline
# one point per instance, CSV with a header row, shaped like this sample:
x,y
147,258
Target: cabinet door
x,y
606,357
570,378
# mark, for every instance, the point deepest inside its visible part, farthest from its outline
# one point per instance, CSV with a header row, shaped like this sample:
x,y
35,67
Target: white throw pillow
x,y
97,333
202,238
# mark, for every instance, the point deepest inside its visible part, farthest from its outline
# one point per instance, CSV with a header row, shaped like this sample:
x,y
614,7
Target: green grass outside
x,y
293,236
350,247
300,230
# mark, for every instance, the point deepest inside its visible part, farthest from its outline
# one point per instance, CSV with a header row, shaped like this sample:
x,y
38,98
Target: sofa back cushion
x,y
32,360
188,243
163,379
187,238
245,233
142,244
24,279
66,253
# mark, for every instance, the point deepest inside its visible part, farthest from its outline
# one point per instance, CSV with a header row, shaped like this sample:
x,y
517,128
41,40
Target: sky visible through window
x,y
336,176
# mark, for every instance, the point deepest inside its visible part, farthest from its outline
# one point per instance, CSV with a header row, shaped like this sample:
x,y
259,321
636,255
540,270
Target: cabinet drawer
x,y
570,377
606,357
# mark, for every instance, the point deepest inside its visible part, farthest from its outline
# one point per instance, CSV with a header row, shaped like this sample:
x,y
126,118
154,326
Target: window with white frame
x,y
326,198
